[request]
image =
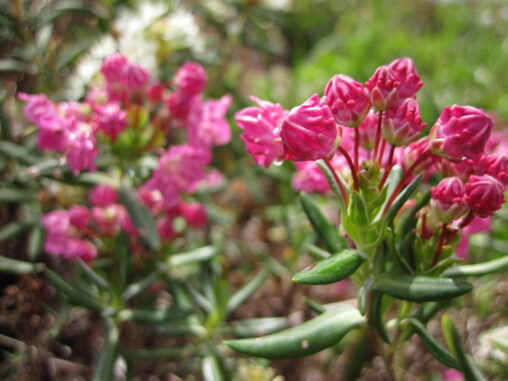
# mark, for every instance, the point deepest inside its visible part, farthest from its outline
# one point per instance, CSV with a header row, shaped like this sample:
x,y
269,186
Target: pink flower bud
x,y
309,178
348,100
78,248
414,151
402,123
448,201
383,88
109,218
155,92
37,106
79,216
81,148
195,214
497,166
452,375
113,67
110,119
165,229
261,126
309,131
134,77
460,132
52,134
406,75
103,195
181,104
367,130
191,78
207,123
484,195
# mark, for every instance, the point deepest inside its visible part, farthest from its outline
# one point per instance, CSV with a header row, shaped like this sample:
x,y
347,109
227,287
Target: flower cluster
x,y
131,115
362,131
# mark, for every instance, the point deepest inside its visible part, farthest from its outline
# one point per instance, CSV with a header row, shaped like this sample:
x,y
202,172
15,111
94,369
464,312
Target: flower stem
x,y
439,247
351,167
404,179
378,133
338,181
381,151
357,145
388,167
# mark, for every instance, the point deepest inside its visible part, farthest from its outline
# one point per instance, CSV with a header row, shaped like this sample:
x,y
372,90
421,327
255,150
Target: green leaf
x,y
433,346
332,269
246,291
327,232
141,217
202,254
93,276
14,266
18,152
421,288
212,369
75,295
363,295
467,365
259,326
500,343
14,228
108,354
135,288
376,315
8,64
478,269
305,339
314,306
35,242
318,252
153,315
333,184
12,195
402,198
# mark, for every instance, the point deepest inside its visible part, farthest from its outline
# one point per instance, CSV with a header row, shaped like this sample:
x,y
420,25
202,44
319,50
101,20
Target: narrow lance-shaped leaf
x,y
259,326
433,346
141,217
421,288
246,291
135,288
478,269
376,315
108,354
212,369
305,339
402,198
332,269
324,229
333,184
14,266
202,254
467,364
154,354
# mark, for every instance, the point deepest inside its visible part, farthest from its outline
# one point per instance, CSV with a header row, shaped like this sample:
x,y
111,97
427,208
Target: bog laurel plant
x,y
403,199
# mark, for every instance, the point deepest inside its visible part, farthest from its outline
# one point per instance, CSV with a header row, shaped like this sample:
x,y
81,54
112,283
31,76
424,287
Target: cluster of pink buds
x,y
133,115
116,114
356,127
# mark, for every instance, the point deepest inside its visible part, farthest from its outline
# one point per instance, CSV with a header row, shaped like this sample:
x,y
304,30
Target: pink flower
x,y
207,123
406,75
190,78
461,131
448,201
262,126
414,151
134,77
57,222
52,134
81,148
402,123
103,195
79,248
452,375
113,67
79,216
309,131
180,104
367,131
497,166
37,106
165,229
348,100
309,178
109,218
484,195
383,88
194,213
155,92
110,119
477,225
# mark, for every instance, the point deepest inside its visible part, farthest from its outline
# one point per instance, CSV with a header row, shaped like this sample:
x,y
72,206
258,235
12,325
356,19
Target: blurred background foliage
x,y
279,50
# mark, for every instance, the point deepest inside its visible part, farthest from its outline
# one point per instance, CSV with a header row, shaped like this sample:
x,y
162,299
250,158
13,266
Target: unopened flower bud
x,y
406,75
448,201
191,78
484,195
309,131
348,100
460,132
497,166
383,88
402,123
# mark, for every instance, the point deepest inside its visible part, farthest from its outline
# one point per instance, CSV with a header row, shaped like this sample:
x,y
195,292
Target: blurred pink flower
x,y
103,195
207,123
190,78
